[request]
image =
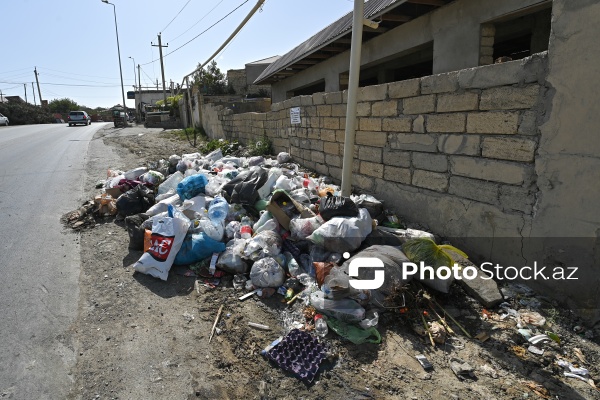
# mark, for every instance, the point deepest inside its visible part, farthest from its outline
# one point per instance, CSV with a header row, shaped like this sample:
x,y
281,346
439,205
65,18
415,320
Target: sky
x,y
73,43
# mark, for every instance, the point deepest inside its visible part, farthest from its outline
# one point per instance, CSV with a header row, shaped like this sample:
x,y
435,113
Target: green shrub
x,y
226,146
25,113
260,147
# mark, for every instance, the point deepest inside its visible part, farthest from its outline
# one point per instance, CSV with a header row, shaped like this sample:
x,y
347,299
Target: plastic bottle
x,y
321,328
218,209
246,228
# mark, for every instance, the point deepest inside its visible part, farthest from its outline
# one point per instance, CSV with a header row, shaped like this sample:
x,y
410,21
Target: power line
x,y
77,79
72,73
197,22
201,33
165,28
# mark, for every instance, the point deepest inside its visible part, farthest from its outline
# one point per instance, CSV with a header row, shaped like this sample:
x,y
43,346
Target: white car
x,y
3,120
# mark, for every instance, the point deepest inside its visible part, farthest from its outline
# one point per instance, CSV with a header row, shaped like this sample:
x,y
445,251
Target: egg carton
x,y
300,353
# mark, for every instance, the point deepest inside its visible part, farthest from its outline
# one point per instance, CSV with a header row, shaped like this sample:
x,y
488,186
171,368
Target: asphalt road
x,y
41,178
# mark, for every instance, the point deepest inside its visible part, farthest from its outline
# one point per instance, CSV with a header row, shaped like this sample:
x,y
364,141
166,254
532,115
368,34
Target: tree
x,y
211,80
63,106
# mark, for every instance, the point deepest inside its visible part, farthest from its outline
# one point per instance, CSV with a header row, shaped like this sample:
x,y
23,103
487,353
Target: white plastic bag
x,y
301,228
341,234
267,272
168,234
267,188
163,205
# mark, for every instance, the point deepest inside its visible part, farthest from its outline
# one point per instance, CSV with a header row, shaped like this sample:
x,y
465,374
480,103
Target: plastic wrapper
x,y
168,233
267,272
354,334
341,234
232,230
235,212
196,247
192,186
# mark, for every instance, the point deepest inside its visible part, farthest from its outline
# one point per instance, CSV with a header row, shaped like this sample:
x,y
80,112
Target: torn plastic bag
x,y
135,201
136,230
341,234
300,196
301,228
267,272
196,247
337,206
354,334
266,243
346,310
194,208
243,189
168,234
192,186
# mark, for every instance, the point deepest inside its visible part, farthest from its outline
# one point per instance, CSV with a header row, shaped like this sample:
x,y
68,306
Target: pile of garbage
x,y
273,230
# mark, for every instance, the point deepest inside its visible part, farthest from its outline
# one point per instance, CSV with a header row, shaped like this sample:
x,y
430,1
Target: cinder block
x,y
490,170
440,83
318,98
509,148
388,108
373,154
397,158
338,110
430,180
333,160
528,124
333,98
396,174
306,100
459,144
322,169
474,189
457,102
413,142
493,122
508,98
400,124
328,135
318,157
324,111
430,161
446,123
419,104
371,169
369,124
364,182
375,139
402,89
331,123
363,109
331,148
373,93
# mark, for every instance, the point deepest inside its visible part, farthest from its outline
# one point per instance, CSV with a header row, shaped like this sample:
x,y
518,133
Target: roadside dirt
x,y
138,337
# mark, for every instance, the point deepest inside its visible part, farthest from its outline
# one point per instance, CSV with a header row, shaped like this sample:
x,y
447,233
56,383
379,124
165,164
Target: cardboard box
x,y
114,192
280,215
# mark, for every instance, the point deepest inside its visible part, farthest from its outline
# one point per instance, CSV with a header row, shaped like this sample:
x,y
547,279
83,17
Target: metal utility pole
x,y
25,87
1,97
38,85
33,90
119,54
162,67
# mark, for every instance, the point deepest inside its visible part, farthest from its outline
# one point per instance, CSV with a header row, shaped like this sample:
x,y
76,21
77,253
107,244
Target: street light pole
x,y
119,53
135,82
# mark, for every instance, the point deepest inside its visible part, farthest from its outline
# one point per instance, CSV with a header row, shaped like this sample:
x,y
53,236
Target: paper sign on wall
x,y
295,115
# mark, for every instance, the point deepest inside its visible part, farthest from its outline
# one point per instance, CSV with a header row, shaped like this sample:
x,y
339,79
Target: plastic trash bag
x,y
267,272
354,334
284,183
170,183
341,234
301,228
263,244
213,156
267,188
194,208
283,158
166,195
155,178
168,234
257,160
192,186
215,184
214,229
135,201
232,230
374,206
346,310
163,205
134,174
243,189
337,206
231,261
136,230
196,247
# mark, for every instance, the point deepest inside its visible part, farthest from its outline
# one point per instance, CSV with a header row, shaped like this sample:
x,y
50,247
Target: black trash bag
x,y
374,207
135,229
135,201
337,206
382,238
243,189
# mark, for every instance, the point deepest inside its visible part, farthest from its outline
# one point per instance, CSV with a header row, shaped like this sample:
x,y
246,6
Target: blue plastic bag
x,y
197,247
192,186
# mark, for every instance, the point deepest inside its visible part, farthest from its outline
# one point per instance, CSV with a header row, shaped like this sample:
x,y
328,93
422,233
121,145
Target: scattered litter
x,y
259,326
461,369
535,350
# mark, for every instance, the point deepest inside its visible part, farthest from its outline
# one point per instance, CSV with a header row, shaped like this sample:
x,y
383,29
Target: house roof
x,y
335,38
268,60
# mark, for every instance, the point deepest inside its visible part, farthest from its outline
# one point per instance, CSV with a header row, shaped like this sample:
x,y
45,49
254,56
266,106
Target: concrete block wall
x,y
469,134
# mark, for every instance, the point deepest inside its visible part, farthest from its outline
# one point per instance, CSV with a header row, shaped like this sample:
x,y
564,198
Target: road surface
x,y
41,178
